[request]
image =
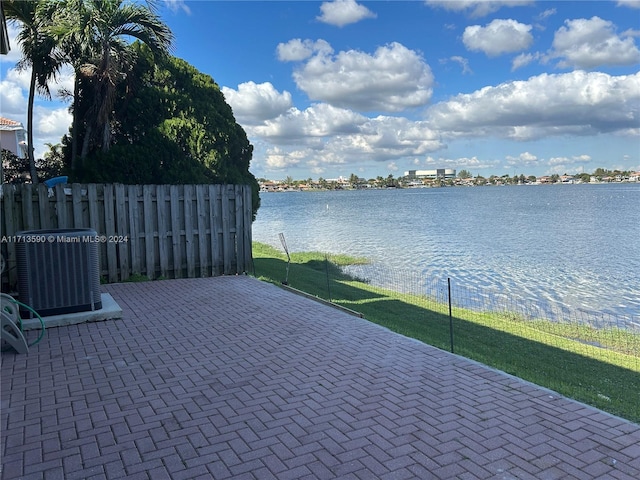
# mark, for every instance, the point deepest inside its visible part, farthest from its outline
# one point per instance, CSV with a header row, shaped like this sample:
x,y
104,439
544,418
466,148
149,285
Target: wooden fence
x,y
168,231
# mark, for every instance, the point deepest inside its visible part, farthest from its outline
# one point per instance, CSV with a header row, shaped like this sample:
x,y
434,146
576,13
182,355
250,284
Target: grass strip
x,y
600,367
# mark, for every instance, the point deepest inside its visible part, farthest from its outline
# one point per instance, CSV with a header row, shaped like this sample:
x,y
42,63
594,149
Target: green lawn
x,y
597,367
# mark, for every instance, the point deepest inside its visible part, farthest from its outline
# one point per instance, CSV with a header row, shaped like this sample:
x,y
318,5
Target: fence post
x,y
326,267
450,315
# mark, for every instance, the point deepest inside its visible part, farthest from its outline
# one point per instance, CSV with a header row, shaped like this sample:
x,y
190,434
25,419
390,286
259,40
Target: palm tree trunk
x,y
85,142
32,161
74,126
106,96
106,137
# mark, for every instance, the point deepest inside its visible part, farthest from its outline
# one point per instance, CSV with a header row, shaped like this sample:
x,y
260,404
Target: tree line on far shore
x,y
464,177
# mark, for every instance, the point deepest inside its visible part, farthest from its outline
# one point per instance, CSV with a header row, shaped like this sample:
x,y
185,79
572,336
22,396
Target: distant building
x,y
437,174
567,179
12,137
339,181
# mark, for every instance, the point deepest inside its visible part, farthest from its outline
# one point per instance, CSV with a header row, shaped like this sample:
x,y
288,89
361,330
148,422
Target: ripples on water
x,y
571,245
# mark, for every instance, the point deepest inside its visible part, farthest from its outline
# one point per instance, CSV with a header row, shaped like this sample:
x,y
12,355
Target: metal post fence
x,y
435,307
526,317
594,356
450,315
326,269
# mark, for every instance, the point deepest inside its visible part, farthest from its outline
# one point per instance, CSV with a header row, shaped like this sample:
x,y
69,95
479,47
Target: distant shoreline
x,y
287,189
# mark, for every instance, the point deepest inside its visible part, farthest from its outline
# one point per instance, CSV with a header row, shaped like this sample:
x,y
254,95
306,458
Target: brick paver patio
x,y
230,377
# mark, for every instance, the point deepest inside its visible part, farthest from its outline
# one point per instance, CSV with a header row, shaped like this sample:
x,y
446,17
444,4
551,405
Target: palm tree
x,y
354,180
38,52
73,37
289,181
94,33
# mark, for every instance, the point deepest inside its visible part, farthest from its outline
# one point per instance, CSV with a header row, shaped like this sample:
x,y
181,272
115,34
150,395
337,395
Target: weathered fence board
x,y
168,231
202,235
134,226
176,244
121,219
216,235
148,214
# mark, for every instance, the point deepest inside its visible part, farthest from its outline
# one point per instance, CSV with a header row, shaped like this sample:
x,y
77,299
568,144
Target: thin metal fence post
x,y
284,245
450,315
326,267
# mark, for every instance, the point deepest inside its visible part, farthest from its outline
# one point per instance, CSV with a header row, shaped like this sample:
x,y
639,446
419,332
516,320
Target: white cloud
x,y
629,3
296,50
466,163
554,161
13,100
525,159
477,8
589,43
547,13
315,160
524,59
254,103
320,120
565,161
498,37
343,12
402,79
176,5
49,127
278,159
395,137
323,135
15,54
51,123
577,103
63,80
463,62
557,164
570,165
50,120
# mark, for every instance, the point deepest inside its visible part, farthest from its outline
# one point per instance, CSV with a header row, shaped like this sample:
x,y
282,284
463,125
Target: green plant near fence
x,y
600,367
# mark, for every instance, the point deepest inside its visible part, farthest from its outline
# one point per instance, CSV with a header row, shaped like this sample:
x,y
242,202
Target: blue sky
x,y
327,89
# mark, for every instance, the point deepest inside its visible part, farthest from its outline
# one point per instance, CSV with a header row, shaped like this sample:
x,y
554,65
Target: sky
x,y
373,88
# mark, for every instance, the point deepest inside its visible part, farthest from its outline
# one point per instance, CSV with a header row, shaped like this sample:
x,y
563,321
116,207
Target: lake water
x,y
574,245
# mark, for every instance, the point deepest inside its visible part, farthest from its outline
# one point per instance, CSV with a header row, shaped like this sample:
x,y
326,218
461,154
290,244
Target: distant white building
x,y
340,180
439,173
12,137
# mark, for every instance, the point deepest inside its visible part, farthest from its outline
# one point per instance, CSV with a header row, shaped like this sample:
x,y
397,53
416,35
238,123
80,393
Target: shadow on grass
x,y
606,386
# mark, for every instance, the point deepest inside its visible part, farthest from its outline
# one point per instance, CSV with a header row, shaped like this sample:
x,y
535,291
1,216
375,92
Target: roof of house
x,y
7,124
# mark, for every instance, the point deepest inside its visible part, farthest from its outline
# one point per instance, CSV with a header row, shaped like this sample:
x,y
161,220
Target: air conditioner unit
x,y
58,271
